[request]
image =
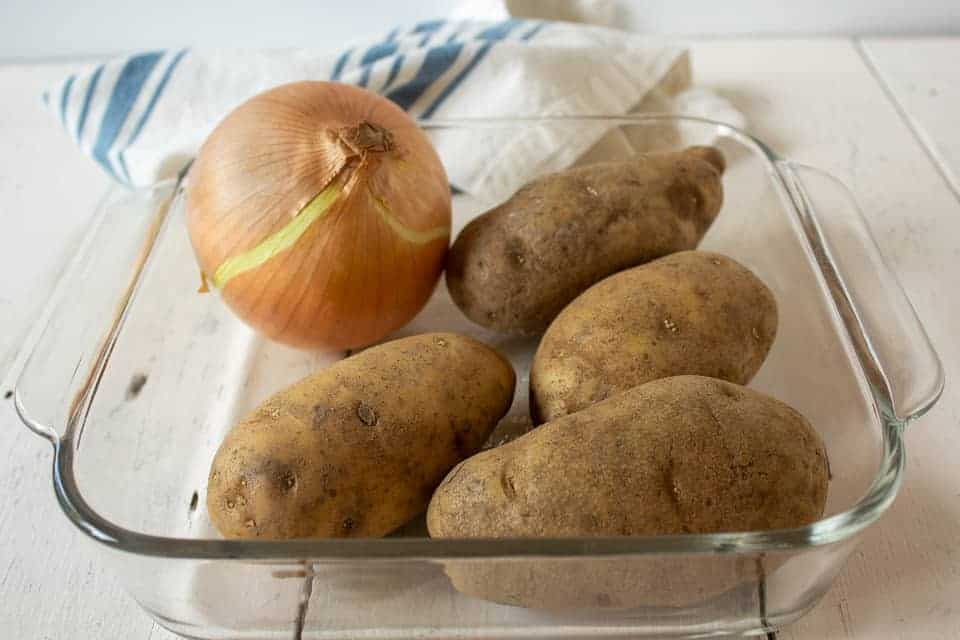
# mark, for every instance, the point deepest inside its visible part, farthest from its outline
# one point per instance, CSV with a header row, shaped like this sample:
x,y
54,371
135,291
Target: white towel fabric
x,y
143,117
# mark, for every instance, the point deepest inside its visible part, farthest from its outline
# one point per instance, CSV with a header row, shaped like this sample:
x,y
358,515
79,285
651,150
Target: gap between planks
x,y
916,129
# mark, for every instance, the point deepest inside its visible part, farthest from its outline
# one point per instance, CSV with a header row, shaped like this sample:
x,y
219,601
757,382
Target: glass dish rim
x,y
832,529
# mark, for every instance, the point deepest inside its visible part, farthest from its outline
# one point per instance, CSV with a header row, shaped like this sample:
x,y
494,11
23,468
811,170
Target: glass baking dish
x,y
136,378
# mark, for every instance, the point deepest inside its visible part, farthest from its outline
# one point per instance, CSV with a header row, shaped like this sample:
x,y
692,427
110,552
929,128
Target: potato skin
x,y
689,313
686,454
357,449
515,267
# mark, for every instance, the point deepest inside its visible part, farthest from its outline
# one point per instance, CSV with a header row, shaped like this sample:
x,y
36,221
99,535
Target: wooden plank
x,y
52,583
817,101
47,191
923,78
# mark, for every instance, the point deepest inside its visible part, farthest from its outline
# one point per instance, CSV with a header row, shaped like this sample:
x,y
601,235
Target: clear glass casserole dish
x,y
135,380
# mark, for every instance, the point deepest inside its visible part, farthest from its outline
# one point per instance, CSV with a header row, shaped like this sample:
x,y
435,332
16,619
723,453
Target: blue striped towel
x,y
143,117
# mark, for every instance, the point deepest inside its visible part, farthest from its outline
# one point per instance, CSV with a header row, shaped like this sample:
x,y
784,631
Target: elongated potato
x,y
686,454
515,267
689,313
357,449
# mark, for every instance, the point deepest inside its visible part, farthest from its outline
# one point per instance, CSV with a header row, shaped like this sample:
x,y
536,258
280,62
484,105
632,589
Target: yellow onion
x,y
322,214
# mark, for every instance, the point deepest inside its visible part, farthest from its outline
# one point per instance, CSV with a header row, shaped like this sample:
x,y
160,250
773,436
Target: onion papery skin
x,y
368,254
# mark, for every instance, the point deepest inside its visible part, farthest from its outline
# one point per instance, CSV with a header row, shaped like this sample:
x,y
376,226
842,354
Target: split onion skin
x,y
367,262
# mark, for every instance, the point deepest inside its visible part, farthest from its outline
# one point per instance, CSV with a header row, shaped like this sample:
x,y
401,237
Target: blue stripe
x,y
341,63
437,61
491,35
125,93
65,98
532,32
428,27
364,78
452,86
156,95
149,110
374,53
425,39
500,30
393,34
394,70
379,50
86,101
455,35
46,98
124,170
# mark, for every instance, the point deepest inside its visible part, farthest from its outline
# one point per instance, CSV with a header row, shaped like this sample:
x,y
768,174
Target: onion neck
x,y
366,137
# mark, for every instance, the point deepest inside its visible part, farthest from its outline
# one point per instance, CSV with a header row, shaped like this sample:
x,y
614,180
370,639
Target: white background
x,y
32,29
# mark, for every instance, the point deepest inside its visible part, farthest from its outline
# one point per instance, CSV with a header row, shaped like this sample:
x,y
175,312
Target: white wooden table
x,y
883,115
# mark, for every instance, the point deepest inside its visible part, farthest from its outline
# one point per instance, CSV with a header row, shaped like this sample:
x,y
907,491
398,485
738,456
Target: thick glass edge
x,y
848,314
829,530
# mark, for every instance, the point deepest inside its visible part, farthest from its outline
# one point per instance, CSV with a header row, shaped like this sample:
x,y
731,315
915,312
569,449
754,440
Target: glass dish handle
x,y
75,331
899,362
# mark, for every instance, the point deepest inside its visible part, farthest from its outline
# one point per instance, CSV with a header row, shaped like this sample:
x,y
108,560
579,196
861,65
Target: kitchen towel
x,y
143,117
